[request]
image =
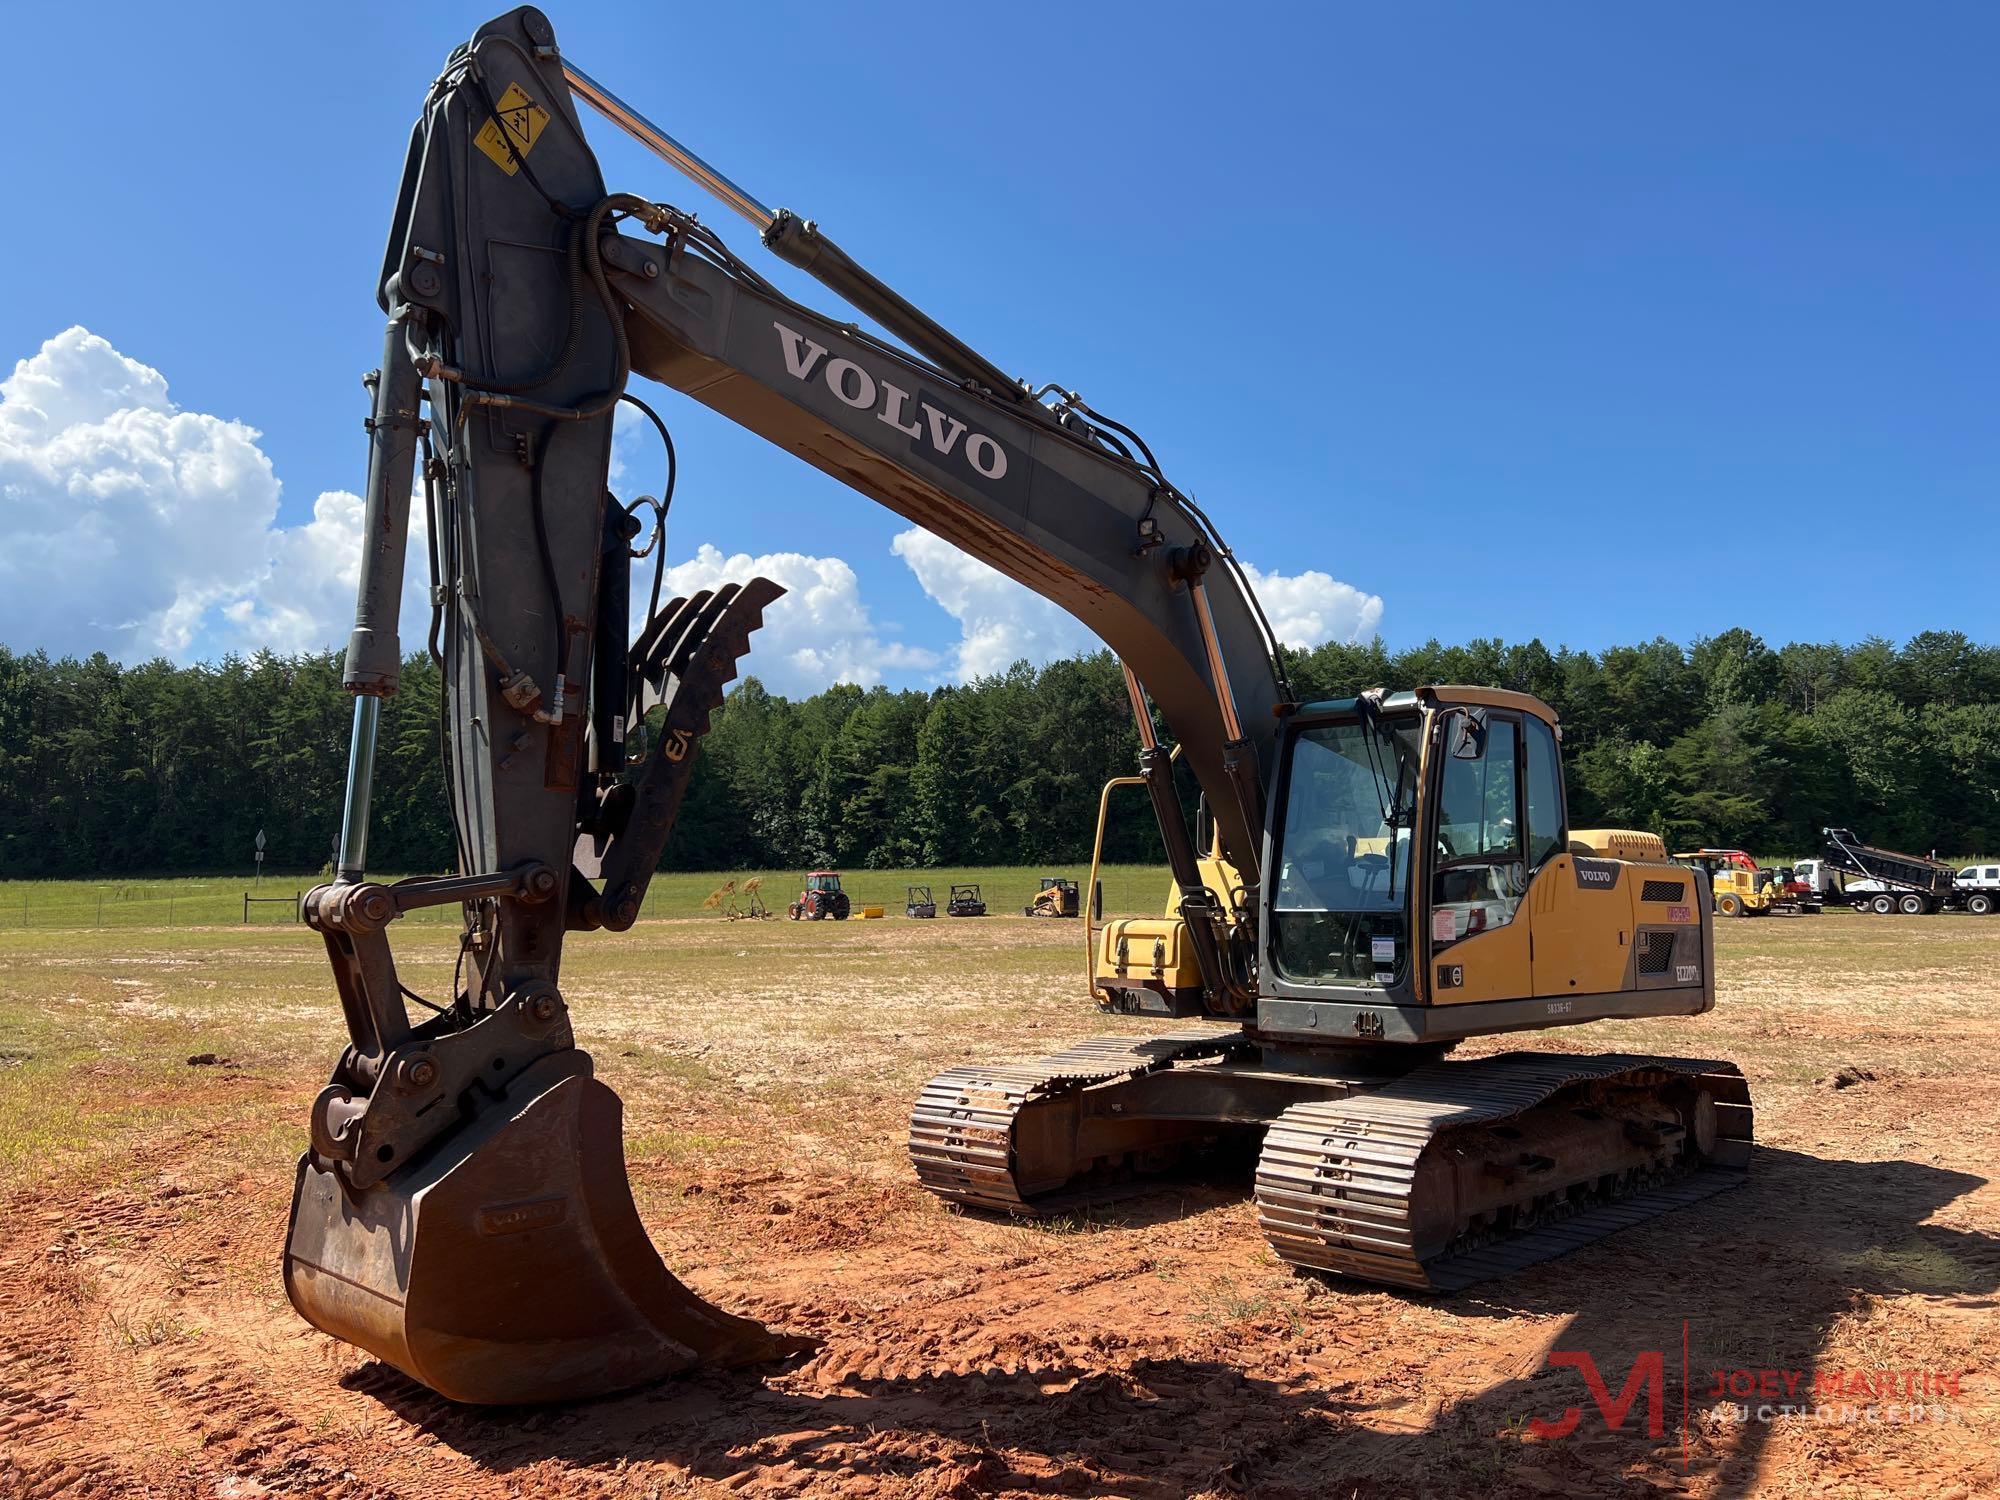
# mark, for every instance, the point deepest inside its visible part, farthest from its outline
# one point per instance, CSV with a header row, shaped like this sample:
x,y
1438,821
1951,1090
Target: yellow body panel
x,y
1572,936
1583,934
1156,948
1152,949
1494,963
1621,843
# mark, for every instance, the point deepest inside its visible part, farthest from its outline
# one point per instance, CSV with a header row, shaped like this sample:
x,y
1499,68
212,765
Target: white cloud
x,y
131,527
1310,608
819,633
1000,622
306,600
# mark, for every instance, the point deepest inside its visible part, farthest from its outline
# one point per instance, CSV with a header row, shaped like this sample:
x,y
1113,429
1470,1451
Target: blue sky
x,y
1560,320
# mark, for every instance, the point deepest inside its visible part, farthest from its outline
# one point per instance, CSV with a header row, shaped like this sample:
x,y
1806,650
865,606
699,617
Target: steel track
x,y
1335,1178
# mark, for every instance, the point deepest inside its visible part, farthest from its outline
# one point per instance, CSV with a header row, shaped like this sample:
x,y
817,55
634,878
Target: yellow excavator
x,y
1374,880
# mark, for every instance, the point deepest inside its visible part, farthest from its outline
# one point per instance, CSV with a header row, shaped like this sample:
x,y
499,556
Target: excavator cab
x,y
1427,884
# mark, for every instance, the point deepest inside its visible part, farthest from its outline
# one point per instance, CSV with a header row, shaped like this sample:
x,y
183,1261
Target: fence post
x,y
100,908
170,911
246,908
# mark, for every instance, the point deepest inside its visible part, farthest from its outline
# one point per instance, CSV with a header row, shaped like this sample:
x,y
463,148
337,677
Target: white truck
x,y
1978,888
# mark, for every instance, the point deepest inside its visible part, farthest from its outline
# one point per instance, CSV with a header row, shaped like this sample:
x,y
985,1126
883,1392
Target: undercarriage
x,y
1384,1164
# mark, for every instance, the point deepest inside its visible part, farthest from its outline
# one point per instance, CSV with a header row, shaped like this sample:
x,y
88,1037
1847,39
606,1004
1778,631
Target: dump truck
x,y
1884,881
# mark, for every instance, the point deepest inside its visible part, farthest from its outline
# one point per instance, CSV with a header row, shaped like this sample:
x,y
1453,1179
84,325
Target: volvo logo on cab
x,y
1597,874
856,387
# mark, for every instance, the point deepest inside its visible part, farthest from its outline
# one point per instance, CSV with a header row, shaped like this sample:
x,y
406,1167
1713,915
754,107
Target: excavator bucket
x,y
508,1263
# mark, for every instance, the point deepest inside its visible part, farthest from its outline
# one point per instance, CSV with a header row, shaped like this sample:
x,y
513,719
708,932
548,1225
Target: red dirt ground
x,y
1157,1350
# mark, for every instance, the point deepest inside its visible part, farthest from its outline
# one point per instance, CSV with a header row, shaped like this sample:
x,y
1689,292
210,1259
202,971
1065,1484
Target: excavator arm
x,y
464,1200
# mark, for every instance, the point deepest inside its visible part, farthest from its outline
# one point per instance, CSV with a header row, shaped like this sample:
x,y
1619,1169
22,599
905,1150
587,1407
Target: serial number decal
x,y
1561,1007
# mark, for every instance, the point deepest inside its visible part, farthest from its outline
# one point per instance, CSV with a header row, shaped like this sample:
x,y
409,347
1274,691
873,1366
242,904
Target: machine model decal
x,y
522,119
1687,973
1596,874
519,1218
854,386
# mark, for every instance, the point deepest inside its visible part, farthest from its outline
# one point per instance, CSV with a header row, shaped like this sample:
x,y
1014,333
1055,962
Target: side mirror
x,y
1468,739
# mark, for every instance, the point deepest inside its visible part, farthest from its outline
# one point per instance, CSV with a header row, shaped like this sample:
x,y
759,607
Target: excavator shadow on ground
x,y
1758,1278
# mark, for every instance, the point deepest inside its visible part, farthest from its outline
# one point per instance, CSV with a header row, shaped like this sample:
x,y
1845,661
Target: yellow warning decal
x,y
523,120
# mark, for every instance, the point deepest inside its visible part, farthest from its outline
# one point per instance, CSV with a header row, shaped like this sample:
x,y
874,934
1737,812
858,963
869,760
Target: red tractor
x,y
822,898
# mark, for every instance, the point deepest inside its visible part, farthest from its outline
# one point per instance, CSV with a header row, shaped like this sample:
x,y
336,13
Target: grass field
x,y
1154,1348
210,901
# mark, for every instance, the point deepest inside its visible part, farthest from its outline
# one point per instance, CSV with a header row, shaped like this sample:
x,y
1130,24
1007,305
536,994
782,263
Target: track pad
x,y
508,1264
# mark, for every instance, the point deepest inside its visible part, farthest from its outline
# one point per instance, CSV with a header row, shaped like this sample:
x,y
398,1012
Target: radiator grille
x,y
1656,952
1663,890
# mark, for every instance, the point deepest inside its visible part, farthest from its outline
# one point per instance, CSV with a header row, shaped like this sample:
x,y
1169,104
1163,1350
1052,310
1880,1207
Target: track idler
x,y
506,1263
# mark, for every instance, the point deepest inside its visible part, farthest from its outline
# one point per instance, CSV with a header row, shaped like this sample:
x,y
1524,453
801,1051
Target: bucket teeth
x,y
507,1263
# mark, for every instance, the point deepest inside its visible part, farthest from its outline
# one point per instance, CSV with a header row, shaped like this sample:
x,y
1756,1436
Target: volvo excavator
x,y
1369,881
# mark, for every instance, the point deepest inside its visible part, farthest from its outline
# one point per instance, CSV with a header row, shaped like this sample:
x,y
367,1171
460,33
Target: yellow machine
x,y
1372,881
1737,886
1421,885
1057,898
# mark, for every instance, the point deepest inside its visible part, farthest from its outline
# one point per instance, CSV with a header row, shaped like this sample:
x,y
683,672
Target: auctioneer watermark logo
x,y
1742,1394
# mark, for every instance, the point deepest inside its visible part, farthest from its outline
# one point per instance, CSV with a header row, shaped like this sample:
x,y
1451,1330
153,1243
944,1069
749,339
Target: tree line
x,y
158,769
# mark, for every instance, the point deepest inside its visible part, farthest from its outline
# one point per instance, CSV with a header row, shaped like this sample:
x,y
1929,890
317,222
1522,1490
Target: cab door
x,y
1579,904
1479,940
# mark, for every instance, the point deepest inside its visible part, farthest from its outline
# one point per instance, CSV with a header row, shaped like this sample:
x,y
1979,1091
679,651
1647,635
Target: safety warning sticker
x,y
523,121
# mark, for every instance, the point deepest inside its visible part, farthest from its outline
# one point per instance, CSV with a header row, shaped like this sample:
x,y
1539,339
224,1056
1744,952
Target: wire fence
x,y
49,906
54,905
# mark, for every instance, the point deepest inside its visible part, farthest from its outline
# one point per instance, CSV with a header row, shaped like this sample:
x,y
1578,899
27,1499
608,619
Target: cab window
x,y
1478,876
1546,835
1343,854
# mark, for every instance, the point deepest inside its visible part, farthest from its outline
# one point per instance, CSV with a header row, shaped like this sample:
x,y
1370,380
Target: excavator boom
x,y
463,1211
